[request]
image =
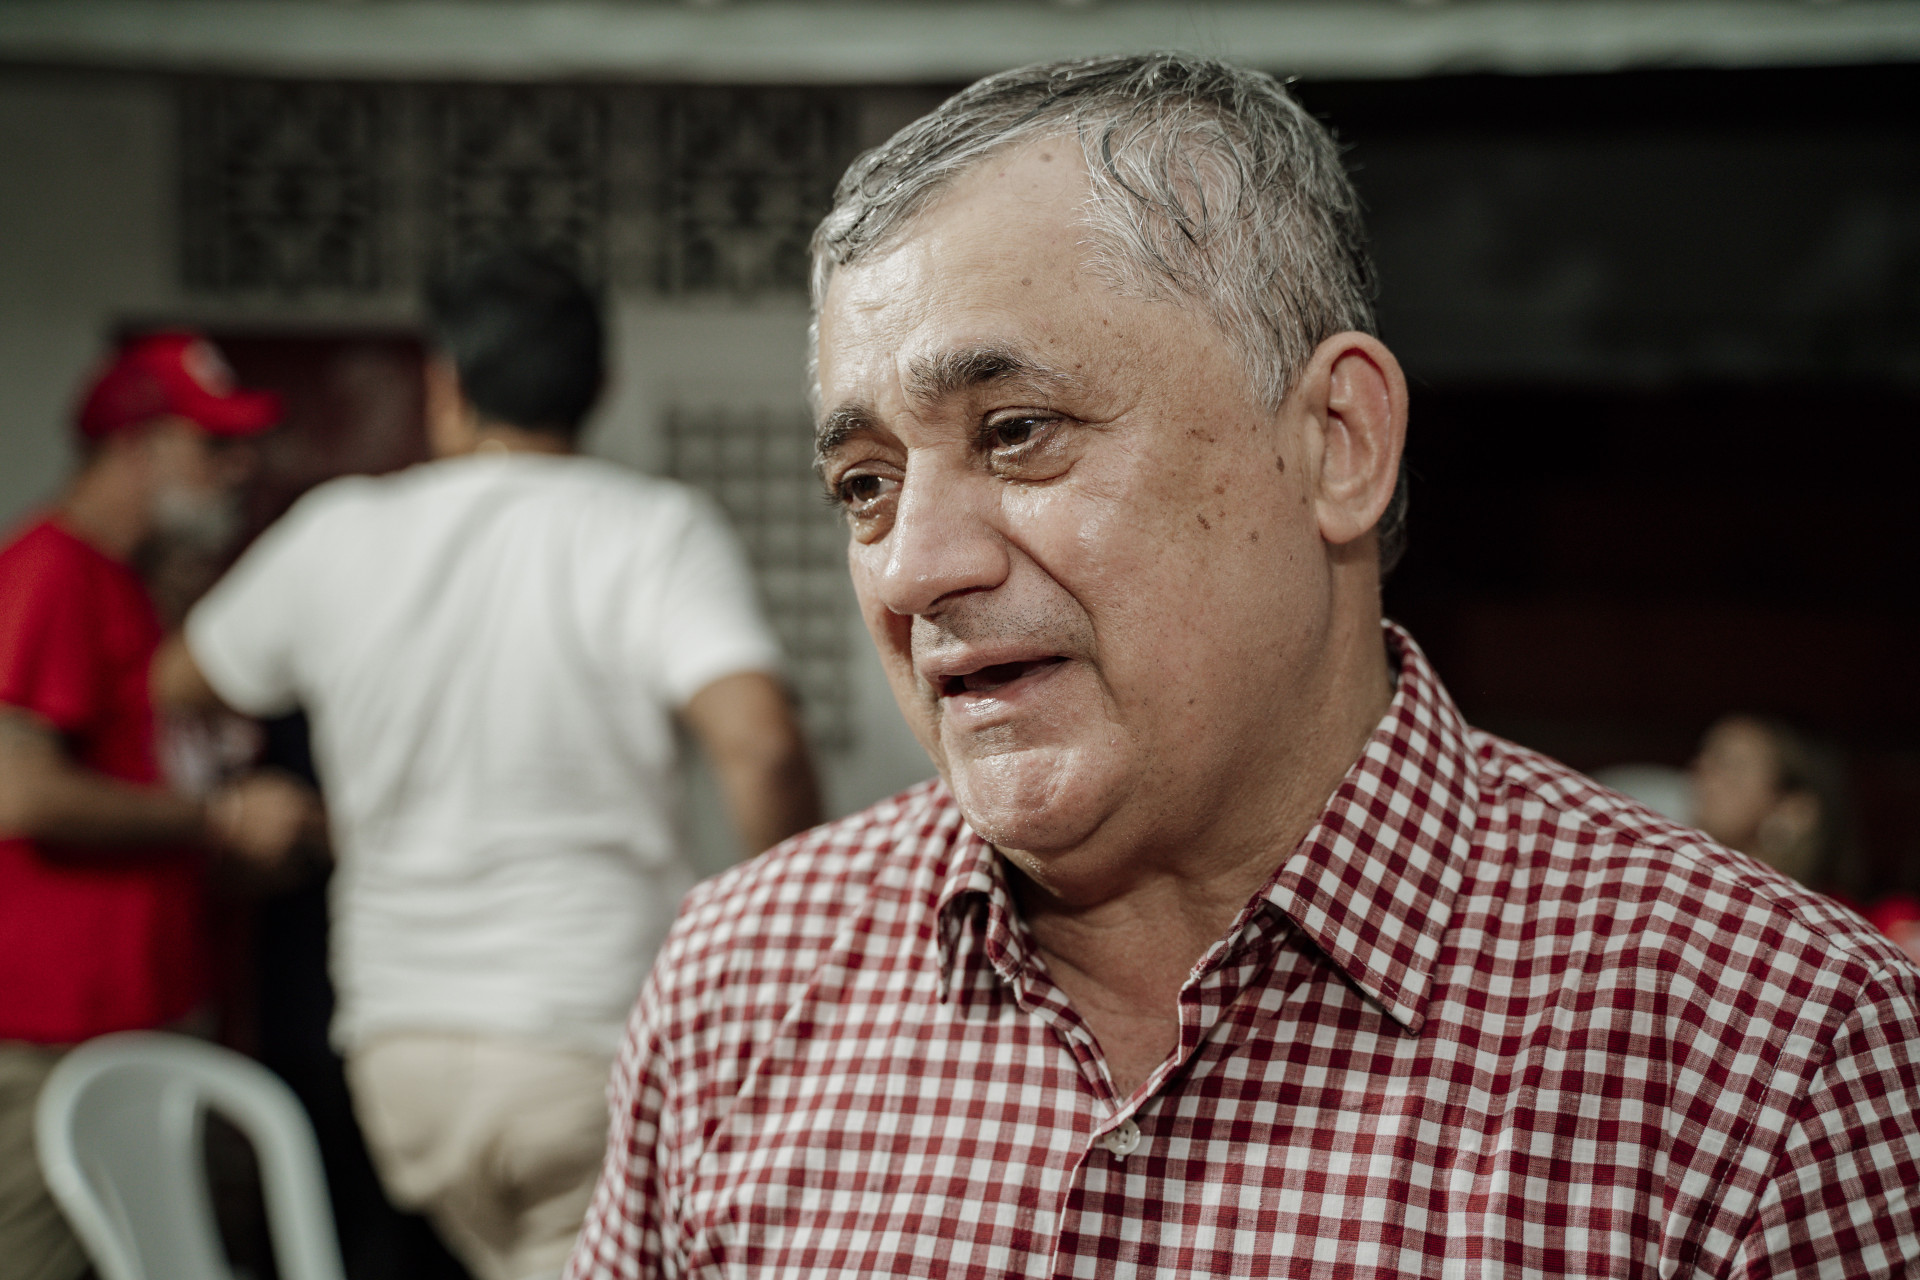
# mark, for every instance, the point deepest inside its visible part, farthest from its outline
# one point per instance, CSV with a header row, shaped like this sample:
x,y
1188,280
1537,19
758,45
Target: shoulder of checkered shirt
x,y
1661,898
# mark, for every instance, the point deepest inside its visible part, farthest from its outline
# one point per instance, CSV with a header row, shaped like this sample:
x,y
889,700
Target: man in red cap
x,y
100,864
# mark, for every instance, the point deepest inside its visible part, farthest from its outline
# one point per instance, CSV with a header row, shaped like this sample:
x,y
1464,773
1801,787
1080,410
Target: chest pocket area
x,y
1377,1162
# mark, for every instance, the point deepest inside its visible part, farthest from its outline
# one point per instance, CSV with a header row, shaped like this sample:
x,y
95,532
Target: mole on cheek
x,y
1280,464
1202,519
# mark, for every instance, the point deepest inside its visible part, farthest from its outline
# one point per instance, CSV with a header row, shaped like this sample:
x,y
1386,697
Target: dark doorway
x,y
353,407
1663,330
1601,574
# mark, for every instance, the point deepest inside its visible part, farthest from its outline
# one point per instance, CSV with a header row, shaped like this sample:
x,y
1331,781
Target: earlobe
x,y
1364,419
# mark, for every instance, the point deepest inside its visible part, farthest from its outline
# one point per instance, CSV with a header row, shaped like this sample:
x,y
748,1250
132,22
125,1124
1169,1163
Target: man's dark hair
x,y
525,336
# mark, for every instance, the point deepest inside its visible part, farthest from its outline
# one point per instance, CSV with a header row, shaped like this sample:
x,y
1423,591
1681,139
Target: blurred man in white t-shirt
x,y
492,649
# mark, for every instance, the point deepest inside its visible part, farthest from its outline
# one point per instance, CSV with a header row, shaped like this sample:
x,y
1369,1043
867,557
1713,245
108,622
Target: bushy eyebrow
x,y
836,428
934,378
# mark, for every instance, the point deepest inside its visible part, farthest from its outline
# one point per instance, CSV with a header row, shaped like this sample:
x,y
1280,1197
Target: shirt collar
x,y
975,881
1372,885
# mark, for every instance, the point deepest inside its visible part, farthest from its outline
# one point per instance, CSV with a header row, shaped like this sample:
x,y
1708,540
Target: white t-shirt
x,y
489,650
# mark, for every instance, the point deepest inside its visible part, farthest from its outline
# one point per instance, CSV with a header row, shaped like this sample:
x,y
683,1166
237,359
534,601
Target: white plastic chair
x,y
120,1126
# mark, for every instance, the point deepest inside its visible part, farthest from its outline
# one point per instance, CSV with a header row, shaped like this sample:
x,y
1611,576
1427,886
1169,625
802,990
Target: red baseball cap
x,y
178,374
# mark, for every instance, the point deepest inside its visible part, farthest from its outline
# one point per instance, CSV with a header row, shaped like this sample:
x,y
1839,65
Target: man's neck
x,y
1228,846
1123,959
498,437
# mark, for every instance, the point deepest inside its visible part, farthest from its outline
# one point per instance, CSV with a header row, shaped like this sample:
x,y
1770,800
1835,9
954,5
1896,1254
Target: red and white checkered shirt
x,y
1488,1019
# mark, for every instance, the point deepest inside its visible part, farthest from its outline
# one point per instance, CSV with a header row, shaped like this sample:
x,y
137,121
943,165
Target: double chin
x,y
1037,798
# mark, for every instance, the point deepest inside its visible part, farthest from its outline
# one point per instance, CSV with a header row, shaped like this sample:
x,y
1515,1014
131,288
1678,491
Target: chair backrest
x,y
120,1127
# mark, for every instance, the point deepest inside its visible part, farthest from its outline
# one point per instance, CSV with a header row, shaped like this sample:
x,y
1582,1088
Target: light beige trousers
x,y
35,1241
498,1141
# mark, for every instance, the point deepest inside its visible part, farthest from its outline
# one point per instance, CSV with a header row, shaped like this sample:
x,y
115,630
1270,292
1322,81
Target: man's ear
x,y
1355,394
451,428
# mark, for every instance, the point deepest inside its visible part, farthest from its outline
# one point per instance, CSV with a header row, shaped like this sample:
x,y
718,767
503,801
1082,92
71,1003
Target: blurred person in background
x,y
1768,790
101,864
493,648
1763,787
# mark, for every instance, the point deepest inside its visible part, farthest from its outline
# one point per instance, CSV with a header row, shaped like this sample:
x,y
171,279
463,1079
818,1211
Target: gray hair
x,y
1210,184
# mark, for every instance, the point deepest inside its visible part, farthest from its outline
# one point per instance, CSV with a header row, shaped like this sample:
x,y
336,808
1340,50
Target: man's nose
x,y
942,543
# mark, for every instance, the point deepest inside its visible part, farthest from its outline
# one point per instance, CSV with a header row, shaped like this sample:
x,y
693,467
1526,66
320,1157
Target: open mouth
x,y
997,676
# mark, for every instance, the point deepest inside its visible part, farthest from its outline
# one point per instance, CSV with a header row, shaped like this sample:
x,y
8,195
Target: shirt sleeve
x,y
1844,1202
709,624
50,658
244,633
622,1237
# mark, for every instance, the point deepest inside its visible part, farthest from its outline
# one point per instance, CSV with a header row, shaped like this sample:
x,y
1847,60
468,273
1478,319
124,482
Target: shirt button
x,y
1122,1141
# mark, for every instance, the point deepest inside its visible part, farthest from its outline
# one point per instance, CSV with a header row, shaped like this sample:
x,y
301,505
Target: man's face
x,y
195,479
1736,782
1088,556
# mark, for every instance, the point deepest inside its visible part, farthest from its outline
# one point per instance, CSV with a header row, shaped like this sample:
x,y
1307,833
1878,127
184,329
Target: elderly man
x,y
1221,945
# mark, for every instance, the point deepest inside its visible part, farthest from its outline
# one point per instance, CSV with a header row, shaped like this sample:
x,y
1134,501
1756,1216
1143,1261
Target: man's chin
x,y
1034,801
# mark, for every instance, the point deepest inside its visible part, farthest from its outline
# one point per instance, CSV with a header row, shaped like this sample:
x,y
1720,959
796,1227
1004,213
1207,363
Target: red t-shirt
x,y
113,942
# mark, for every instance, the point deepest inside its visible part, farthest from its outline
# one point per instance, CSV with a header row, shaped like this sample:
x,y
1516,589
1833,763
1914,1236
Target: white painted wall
x,y
746,359
902,42
86,227
87,241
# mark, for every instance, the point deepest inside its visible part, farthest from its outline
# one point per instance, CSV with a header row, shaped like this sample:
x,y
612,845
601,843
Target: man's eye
x,y
1014,432
857,490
